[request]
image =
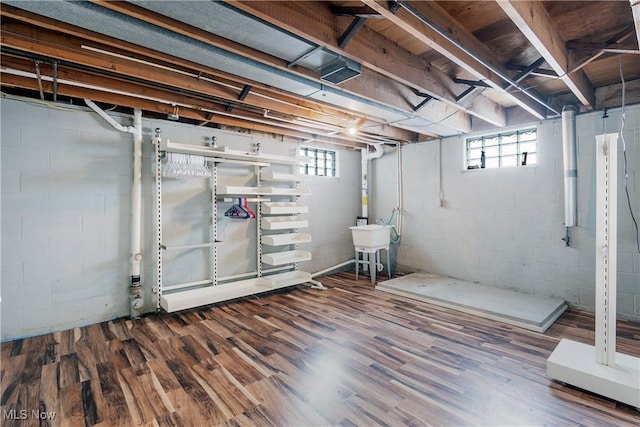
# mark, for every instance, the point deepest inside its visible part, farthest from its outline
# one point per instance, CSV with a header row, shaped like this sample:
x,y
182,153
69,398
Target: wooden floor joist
x,y
349,355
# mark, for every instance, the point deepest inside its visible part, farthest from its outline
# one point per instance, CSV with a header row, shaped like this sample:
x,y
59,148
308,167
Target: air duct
x,y
340,70
570,168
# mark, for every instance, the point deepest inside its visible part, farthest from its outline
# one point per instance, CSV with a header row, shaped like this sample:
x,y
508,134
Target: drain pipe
x,y
135,287
365,157
570,170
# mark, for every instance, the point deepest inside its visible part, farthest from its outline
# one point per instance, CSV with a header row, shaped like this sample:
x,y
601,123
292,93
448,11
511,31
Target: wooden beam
x,y
314,21
457,122
268,98
635,8
426,21
202,116
577,64
533,20
411,18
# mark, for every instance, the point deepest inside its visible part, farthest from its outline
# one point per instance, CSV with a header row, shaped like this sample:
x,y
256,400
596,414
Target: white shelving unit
x,y
278,211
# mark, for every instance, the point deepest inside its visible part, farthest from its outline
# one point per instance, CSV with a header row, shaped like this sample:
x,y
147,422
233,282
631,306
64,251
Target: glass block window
x,y
318,162
517,148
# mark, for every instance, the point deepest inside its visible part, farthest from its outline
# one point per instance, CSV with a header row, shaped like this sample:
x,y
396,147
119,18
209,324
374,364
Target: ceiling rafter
x,y
375,94
268,99
534,22
475,57
635,9
83,84
315,22
618,38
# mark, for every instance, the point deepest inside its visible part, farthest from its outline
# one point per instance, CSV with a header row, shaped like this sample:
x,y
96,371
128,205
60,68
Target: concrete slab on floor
x,y
527,311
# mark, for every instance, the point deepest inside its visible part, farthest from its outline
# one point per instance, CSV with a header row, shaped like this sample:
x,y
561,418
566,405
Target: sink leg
x,y
373,266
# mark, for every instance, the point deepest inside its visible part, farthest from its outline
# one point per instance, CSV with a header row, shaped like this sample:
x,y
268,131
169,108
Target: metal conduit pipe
x,y
468,51
569,160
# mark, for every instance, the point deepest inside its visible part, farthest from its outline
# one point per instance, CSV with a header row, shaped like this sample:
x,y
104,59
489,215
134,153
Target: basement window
x,y
517,148
318,162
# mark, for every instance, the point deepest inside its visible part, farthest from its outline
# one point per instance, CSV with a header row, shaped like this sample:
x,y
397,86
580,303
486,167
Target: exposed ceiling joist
x,y
314,21
68,48
534,22
419,19
635,8
78,84
455,124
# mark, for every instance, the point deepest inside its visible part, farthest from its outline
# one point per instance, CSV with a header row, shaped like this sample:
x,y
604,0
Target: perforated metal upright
x,y
606,247
158,217
213,232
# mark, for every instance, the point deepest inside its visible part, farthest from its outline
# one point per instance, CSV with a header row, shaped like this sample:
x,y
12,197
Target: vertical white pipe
x,y
136,194
135,287
365,157
135,290
364,165
570,166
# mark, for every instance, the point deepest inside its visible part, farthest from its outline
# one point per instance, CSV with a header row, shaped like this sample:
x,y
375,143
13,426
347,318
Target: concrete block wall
x,y
503,227
65,201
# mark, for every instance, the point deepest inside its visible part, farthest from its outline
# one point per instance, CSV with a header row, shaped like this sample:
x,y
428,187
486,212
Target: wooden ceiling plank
x,y
446,47
212,39
534,22
22,82
315,22
49,44
267,98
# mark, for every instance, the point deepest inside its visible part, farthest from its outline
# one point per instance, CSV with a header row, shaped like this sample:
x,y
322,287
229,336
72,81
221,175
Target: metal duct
x,y
113,24
570,163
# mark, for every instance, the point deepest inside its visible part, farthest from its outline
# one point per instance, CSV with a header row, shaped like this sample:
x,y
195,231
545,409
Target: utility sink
x,y
371,235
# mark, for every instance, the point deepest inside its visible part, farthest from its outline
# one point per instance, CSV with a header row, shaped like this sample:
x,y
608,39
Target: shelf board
x,y
282,222
239,190
286,257
184,300
285,239
267,175
290,278
284,208
228,153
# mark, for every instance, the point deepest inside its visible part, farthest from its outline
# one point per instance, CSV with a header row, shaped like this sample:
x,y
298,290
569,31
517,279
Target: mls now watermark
x,y
23,414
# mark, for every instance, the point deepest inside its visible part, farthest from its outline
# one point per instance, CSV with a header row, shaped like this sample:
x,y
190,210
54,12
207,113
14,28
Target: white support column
x,y
606,247
599,368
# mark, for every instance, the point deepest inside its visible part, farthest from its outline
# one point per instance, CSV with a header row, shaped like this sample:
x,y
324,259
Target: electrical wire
x,y
624,156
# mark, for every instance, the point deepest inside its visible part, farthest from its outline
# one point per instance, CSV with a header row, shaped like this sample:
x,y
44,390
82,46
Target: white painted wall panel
x,y
66,185
504,227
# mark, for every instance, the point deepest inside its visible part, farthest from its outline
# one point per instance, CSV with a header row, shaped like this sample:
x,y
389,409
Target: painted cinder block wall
x,y
65,201
503,227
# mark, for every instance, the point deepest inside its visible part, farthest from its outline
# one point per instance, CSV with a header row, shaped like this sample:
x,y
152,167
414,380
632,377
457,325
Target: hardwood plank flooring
x,y
348,356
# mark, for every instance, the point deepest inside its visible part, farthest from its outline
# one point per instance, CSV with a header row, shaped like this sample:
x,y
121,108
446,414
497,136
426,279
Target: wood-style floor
x,y
346,356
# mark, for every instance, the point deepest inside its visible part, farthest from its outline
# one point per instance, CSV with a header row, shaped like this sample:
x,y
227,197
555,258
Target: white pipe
x,y
291,125
365,157
135,287
378,153
108,118
570,166
400,190
136,195
335,267
364,175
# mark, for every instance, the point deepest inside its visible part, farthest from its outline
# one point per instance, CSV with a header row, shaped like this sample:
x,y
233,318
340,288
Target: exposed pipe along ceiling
x,y
248,65
309,90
